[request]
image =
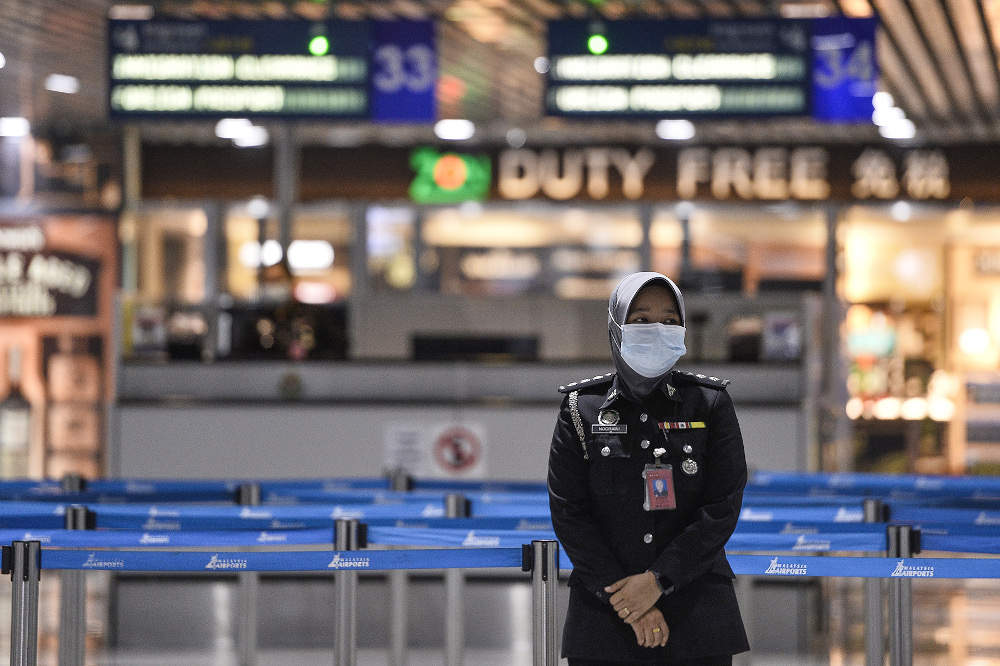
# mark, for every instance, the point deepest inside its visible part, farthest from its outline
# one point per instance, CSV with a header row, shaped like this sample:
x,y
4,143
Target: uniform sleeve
x,y
594,565
695,550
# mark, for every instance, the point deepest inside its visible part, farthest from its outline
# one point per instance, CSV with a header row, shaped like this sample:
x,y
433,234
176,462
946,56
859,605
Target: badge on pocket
x,y
659,488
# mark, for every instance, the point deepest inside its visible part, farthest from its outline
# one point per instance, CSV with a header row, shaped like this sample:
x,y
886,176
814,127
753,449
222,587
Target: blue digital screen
x,y
844,70
404,71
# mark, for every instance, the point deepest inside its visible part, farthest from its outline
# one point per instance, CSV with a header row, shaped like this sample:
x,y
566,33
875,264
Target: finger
x,y
614,587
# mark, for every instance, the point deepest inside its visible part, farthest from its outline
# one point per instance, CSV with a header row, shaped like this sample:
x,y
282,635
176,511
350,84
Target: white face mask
x,y
652,349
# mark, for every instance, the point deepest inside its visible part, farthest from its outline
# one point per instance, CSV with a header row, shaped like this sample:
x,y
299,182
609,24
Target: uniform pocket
x,y
609,465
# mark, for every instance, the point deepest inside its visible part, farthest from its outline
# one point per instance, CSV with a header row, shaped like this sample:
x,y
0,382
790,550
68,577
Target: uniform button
x,y
606,451
644,443
648,538
643,417
687,448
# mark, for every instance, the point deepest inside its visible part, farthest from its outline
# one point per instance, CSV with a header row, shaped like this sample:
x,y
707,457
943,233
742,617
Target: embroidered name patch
x,y
617,429
681,425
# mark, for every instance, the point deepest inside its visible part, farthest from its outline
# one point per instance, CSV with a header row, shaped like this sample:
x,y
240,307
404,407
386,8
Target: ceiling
x,y
938,60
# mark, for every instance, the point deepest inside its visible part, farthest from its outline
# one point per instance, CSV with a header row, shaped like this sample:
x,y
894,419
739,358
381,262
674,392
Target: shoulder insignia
x,y
586,383
702,380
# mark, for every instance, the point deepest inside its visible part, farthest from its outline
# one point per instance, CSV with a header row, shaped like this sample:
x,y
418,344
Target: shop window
x,y
390,236
473,250
749,249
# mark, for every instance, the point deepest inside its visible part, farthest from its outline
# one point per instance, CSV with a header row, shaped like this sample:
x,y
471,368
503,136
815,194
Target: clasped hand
x,y
632,598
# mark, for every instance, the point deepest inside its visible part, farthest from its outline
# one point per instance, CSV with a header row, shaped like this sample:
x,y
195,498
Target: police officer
x,y
646,477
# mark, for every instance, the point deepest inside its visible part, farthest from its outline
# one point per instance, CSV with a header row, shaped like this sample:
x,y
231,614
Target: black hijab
x,y
632,383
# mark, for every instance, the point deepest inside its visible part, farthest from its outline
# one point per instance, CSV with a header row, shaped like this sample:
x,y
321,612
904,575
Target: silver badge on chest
x,y
608,417
689,467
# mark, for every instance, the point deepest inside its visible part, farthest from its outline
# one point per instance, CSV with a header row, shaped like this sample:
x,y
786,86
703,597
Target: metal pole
x,y
399,583
247,494
399,598
455,506
24,572
346,586
544,580
874,512
901,541
73,600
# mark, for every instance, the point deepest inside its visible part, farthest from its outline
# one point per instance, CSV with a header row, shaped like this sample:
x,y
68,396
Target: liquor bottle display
x,y
15,421
73,419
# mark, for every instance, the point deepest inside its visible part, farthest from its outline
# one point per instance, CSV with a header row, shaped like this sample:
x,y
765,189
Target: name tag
x,y
617,429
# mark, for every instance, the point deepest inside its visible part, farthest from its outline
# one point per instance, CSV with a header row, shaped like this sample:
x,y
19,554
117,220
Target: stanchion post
x,y
456,505
248,494
544,565
73,597
875,511
400,481
25,567
73,483
349,537
903,542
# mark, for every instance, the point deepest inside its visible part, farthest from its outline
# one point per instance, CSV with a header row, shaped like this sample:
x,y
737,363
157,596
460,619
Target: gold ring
x,y
655,629
625,608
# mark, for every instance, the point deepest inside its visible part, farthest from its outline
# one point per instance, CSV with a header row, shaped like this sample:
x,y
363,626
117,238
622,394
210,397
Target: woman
x,y
646,478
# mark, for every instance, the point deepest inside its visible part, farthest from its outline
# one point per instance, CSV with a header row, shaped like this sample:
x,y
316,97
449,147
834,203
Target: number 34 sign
x,y
404,71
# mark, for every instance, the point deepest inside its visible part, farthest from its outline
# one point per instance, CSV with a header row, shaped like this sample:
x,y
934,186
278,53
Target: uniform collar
x,y
615,392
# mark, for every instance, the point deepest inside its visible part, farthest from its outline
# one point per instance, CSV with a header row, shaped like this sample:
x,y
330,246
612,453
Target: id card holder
x,y
659,483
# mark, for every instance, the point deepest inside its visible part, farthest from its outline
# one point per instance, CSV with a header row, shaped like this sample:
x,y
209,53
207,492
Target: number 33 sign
x,y
404,71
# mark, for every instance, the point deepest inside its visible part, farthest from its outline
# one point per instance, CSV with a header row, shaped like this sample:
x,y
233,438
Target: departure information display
x,y
663,69
292,69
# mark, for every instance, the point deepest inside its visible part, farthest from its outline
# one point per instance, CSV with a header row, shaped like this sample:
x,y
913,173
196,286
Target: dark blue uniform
x,y
596,494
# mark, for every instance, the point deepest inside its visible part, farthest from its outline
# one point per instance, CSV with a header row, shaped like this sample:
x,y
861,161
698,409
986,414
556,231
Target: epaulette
x,y
584,383
703,380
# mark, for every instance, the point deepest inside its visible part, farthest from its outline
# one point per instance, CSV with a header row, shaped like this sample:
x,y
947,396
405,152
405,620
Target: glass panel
x,y
167,248
745,249
319,255
252,245
391,258
571,253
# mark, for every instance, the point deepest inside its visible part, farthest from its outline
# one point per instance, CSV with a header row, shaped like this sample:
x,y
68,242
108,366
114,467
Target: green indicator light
x,y
319,45
597,44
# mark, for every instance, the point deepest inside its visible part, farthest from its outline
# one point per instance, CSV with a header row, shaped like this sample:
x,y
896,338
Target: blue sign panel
x,y
844,69
663,69
297,69
404,71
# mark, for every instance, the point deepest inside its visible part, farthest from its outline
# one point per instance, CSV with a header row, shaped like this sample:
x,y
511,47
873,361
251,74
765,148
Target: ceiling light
x,y
882,100
675,130
900,129
454,129
231,128
974,341
254,136
887,115
258,207
15,126
310,255
901,211
3,61
62,83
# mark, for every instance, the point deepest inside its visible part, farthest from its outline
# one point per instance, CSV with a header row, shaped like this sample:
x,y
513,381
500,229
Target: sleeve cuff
x,y
662,582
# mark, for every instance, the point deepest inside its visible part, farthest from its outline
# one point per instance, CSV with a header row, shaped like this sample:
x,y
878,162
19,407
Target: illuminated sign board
x,y
291,69
663,69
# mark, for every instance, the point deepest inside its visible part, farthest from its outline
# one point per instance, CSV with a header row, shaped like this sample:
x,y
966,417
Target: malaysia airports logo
x,y
155,521
471,540
986,519
756,516
272,537
226,563
247,513
845,515
154,539
340,562
40,538
95,562
341,512
810,544
904,570
786,569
